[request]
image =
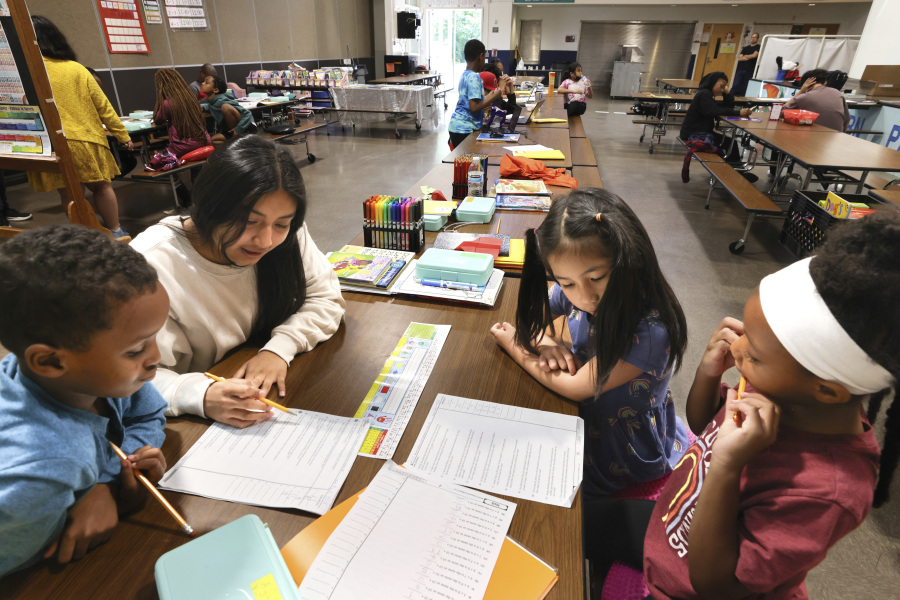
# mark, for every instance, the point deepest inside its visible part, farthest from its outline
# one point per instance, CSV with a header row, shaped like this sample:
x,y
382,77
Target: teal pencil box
x,y
435,222
453,265
239,560
475,209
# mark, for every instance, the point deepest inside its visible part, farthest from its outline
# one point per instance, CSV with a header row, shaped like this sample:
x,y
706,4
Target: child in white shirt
x,y
575,89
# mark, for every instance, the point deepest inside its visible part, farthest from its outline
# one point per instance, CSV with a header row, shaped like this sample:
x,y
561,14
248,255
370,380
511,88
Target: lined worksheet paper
x,y
520,452
297,461
411,538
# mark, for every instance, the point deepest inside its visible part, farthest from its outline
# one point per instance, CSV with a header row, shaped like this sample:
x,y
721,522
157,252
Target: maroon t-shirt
x,y
798,498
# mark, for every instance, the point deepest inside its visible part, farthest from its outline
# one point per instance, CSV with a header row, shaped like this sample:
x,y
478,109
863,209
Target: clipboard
x,y
519,573
237,560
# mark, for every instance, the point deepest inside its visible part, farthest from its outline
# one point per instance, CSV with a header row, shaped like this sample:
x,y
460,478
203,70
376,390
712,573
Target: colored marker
x,y
449,285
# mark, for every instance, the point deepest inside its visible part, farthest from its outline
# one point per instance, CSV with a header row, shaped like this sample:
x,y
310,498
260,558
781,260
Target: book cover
x,y
523,202
358,268
521,186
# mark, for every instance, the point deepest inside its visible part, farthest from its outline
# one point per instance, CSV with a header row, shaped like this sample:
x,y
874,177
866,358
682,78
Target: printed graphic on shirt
x,y
680,511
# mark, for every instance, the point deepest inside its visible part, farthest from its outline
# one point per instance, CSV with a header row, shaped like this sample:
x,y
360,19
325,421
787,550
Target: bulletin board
x,y
123,26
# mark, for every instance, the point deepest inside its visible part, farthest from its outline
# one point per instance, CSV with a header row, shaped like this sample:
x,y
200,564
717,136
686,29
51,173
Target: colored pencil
x,y
155,492
741,387
266,400
498,225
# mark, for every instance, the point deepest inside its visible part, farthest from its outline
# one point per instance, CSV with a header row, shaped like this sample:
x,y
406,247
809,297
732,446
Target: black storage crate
x,y
807,223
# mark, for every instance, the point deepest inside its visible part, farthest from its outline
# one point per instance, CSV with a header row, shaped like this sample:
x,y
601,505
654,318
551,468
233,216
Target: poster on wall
x,y
4,9
124,28
186,15
152,12
11,88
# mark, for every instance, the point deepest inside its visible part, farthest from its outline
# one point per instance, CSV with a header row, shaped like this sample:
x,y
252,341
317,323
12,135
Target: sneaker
x,y
3,221
752,178
14,215
117,233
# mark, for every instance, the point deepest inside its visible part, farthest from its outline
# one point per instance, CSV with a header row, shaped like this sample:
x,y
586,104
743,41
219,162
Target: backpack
x,y
836,79
648,109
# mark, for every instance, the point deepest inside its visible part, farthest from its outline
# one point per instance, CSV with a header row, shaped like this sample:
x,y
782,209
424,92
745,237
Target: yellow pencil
x,y
741,387
498,224
152,489
266,400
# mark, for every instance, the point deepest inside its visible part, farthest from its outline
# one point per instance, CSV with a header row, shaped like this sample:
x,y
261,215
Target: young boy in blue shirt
x,y
469,113
79,315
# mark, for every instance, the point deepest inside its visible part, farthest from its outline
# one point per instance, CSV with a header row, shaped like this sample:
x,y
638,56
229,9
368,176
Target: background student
x,y
207,70
179,108
241,269
628,336
816,96
469,113
700,121
575,89
231,118
83,110
80,317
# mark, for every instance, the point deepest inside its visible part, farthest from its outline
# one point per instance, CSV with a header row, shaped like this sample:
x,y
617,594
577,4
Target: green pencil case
x,y
236,561
475,209
453,265
435,222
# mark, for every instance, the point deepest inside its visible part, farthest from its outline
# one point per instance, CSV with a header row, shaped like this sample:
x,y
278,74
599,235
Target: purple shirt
x,y
178,145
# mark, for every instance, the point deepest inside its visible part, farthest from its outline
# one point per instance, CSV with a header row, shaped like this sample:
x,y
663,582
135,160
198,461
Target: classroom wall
x,y
561,20
244,35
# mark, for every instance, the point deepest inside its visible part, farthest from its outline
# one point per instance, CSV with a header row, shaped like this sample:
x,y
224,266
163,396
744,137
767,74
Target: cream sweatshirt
x,y
212,308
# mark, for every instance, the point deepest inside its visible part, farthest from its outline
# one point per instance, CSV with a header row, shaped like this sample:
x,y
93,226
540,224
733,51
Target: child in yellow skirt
x,y
83,109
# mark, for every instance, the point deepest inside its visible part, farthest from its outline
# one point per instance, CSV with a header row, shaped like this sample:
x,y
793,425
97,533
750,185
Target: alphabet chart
x,y
393,396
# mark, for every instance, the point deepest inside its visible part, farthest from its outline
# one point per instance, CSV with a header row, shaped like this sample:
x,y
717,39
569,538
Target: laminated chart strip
x,y
11,89
22,131
392,398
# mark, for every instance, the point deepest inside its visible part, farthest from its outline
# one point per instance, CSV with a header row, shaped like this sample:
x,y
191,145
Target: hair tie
x,y
598,216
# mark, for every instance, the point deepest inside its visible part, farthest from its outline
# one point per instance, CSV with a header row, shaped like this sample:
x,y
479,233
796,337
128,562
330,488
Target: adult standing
x,y
84,110
207,70
746,65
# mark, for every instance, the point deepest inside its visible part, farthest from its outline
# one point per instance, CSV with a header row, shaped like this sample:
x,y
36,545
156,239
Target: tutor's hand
x,y
750,426
718,358
91,521
555,357
505,335
130,145
235,402
264,370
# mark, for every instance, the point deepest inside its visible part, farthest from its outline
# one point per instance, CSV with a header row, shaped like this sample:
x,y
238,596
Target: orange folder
x,y
518,573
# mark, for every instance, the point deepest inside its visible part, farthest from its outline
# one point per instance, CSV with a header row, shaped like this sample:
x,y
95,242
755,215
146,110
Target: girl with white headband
x,y
780,474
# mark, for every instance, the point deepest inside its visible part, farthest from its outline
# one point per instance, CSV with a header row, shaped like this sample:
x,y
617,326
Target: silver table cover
x,y
399,98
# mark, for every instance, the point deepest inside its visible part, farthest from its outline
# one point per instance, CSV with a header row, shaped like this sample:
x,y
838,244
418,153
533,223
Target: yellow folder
x,y
549,120
439,207
518,573
543,154
516,257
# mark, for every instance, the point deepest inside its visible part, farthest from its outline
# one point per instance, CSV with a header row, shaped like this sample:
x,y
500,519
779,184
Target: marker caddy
x,y
394,223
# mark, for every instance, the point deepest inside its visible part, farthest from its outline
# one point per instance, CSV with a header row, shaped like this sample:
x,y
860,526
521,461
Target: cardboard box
x,y
880,80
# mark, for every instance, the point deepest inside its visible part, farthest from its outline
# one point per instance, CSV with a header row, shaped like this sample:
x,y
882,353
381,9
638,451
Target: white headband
x,y
806,328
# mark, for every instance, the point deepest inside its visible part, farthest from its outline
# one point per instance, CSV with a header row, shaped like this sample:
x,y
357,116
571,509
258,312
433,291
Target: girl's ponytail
x,y
533,310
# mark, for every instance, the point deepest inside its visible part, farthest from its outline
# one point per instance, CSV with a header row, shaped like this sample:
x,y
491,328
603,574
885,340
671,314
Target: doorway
x,y
720,50
448,31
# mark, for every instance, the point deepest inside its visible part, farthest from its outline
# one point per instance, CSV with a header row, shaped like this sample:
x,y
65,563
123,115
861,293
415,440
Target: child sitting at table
x,y
242,268
575,89
177,106
469,113
627,329
781,473
80,316
231,118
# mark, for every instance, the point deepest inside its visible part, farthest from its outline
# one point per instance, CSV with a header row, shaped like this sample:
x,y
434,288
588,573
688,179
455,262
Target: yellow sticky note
x,y
549,120
265,588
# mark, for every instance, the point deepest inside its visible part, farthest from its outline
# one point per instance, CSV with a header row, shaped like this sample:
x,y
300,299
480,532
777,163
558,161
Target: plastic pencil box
x,y
141,114
435,222
237,560
452,265
475,209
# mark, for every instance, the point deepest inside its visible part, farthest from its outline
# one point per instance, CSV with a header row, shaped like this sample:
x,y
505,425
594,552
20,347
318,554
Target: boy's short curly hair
x,y
59,285
473,49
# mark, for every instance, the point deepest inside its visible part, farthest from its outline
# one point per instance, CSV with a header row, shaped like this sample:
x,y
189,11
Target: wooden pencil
x,y
155,492
266,400
741,387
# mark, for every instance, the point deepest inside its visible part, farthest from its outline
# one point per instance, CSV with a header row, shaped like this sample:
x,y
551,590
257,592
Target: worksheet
x,y
391,400
290,461
413,538
519,452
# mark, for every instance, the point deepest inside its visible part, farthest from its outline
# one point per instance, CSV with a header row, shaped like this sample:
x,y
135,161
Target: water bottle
x,y
476,178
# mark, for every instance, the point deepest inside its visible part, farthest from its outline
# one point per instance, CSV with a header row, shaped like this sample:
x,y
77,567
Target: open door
x,y
720,50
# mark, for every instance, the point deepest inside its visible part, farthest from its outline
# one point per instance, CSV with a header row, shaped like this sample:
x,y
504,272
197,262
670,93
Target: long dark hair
x,y
50,39
234,178
858,276
636,283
